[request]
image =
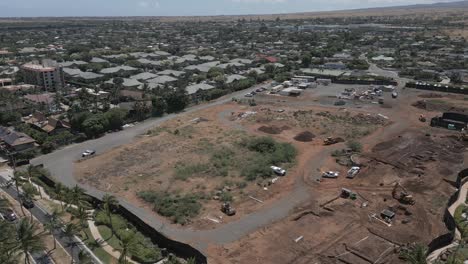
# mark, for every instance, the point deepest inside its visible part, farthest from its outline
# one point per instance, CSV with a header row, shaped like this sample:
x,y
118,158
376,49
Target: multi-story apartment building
x,y
47,74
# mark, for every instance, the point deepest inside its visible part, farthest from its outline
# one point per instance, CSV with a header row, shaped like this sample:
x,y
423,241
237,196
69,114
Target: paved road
x,y
60,164
72,246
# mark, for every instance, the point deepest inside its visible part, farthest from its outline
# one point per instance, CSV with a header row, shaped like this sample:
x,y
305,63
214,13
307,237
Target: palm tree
x,y
28,194
415,254
82,215
78,196
53,224
127,243
60,193
70,231
109,201
18,180
191,261
31,172
84,257
29,241
4,202
9,251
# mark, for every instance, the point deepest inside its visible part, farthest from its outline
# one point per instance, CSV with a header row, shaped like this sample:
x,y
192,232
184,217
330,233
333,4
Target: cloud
x,y
260,1
149,4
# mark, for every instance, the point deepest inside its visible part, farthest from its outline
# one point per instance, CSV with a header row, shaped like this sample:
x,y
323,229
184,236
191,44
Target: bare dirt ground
x,y
151,162
331,229
399,149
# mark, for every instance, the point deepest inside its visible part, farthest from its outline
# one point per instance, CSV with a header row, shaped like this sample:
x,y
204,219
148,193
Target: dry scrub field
x,y
196,162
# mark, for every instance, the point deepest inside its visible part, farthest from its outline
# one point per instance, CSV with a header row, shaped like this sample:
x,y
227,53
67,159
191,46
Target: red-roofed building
x,y
270,59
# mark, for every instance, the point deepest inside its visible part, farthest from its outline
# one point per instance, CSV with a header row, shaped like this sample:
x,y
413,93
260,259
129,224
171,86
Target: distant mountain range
x,y
441,5
404,10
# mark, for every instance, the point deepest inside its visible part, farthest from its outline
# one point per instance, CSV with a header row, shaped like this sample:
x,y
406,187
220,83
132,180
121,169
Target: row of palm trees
x,y
73,200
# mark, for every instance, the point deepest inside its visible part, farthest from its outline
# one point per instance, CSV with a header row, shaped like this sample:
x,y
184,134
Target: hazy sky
x,y
14,8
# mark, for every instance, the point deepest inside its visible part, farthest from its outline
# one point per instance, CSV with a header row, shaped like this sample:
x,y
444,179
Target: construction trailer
x,y
304,78
291,91
455,121
324,81
387,215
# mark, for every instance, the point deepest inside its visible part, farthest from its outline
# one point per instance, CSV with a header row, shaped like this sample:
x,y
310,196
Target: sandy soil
x,y
150,162
423,159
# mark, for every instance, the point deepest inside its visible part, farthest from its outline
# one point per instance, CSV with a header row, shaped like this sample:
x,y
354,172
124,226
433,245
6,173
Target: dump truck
x,y
331,140
403,196
422,118
227,209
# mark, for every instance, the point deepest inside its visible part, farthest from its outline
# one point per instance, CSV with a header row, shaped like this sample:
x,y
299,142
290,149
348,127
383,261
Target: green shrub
x,y
183,172
226,197
354,146
179,208
268,152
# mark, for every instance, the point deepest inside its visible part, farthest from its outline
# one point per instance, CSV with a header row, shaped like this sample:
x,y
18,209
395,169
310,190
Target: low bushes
x,y
179,208
267,152
183,172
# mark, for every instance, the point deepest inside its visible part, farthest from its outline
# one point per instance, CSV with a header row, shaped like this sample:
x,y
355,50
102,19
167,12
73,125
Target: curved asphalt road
x,y
60,165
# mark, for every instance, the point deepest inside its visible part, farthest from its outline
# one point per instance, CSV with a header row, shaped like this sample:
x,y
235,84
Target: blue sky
x,y
15,8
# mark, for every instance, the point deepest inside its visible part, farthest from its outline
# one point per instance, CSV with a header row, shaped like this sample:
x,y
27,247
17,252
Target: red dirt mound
x,y
305,136
274,130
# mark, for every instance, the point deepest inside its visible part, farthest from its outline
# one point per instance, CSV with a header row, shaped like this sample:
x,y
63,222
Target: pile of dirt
x,y
438,106
305,136
431,95
368,119
274,130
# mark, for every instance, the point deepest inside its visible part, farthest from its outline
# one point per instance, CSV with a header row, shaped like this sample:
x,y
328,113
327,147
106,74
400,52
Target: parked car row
x,y
258,90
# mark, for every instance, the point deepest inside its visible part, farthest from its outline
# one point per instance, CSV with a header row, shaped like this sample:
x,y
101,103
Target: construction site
x,y
373,177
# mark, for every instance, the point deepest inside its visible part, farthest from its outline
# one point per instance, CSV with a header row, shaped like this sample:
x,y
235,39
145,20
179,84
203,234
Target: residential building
x,y
50,125
48,75
12,140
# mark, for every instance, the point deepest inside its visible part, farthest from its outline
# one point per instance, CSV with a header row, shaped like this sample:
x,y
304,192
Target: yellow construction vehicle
x,y
227,209
422,118
331,140
403,196
464,134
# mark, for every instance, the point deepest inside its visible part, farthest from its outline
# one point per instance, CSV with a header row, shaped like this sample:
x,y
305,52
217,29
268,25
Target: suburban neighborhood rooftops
x,y
162,79
234,77
117,69
13,138
171,72
191,89
143,76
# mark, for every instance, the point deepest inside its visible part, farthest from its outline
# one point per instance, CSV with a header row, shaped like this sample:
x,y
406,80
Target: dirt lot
x,y
400,148
423,159
419,162
173,157
437,102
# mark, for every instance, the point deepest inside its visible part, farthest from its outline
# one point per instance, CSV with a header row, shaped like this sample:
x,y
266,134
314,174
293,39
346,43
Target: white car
x,y
330,174
278,171
353,172
249,95
88,153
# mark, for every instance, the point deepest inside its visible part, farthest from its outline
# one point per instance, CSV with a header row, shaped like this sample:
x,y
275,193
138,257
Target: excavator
x,y
331,140
403,196
464,134
227,209
422,118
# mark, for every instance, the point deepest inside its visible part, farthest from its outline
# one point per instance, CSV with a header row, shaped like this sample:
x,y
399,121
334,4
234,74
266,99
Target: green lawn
x,y
94,246
106,233
460,222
